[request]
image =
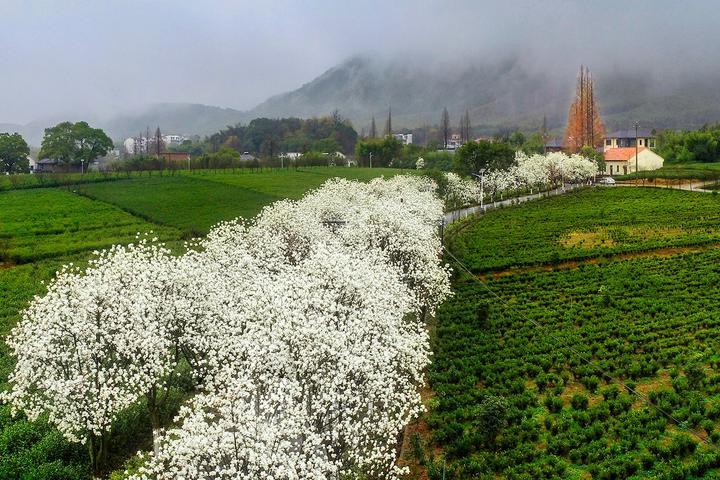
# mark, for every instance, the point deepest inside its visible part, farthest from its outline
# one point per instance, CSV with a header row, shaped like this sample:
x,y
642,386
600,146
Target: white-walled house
x,y
621,161
405,138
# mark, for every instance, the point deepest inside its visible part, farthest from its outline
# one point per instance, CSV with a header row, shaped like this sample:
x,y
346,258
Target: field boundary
x,y
454,215
572,264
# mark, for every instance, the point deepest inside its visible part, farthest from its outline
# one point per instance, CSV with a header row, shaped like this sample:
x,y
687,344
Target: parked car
x,y
606,181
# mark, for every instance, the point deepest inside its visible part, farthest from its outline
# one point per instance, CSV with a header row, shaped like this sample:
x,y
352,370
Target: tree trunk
x,y
154,411
97,448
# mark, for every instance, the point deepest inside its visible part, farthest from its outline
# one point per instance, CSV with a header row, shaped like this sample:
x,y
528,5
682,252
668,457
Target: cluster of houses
x,y
624,151
137,145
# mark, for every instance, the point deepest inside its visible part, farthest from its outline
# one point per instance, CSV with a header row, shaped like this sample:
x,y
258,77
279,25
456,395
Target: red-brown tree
x,y
584,127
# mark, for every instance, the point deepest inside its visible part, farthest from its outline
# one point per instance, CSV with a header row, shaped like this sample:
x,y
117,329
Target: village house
x,y
554,144
178,157
621,146
626,138
290,155
51,165
405,138
454,142
621,161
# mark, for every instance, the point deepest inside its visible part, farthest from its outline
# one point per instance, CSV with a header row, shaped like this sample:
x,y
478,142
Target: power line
x,y
644,398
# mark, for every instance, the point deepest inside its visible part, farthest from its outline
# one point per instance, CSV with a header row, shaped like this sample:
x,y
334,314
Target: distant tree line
x,y
701,145
14,153
68,143
267,137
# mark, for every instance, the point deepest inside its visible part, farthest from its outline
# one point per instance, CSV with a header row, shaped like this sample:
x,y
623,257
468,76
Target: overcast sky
x,y
102,56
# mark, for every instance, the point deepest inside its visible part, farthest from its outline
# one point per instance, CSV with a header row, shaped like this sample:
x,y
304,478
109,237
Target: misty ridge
x,y
508,64
500,95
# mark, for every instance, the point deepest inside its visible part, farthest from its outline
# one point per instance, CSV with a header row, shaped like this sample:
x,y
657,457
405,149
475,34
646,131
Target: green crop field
x,y
43,228
195,202
188,203
534,372
294,183
585,224
43,223
680,171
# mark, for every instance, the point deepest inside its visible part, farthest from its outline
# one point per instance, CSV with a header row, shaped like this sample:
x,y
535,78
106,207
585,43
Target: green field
x,y
681,171
43,228
586,224
195,202
524,380
44,223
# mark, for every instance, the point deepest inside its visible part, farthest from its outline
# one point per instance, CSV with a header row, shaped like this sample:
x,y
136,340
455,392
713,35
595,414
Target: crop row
x,y
586,224
546,349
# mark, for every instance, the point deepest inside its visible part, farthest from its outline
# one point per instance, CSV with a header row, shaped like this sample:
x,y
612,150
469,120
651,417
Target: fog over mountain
x,y
499,95
193,67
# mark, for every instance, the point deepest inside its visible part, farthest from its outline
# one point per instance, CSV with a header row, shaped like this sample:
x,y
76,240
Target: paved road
x,y
464,212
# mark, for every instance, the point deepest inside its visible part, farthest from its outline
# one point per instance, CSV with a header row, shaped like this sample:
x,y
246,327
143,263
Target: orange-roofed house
x,y
621,161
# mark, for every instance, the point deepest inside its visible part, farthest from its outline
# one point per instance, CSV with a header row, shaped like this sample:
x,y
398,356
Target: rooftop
x,y
630,133
555,142
621,154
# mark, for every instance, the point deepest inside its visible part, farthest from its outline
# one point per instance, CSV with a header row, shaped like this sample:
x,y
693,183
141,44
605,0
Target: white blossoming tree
x,y
532,172
397,217
319,375
304,329
91,346
461,192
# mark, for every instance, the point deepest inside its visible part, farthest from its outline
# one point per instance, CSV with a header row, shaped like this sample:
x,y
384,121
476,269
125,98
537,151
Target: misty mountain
x,y
179,118
495,94
500,95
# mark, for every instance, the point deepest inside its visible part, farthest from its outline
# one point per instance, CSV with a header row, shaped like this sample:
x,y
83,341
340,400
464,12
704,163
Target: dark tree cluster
x,y
269,137
73,143
701,145
13,153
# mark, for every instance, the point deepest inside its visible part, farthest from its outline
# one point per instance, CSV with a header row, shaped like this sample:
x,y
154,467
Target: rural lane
x,y
450,217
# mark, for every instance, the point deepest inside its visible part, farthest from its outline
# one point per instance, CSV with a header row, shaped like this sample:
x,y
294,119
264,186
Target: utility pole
x,y
481,176
637,124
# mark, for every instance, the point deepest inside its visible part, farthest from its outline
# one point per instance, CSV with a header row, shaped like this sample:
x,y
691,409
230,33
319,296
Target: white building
x,y
173,139
129,145
621,161
405,138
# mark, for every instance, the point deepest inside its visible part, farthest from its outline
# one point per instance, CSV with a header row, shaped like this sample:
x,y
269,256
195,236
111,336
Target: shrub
x,y
553,404
579,401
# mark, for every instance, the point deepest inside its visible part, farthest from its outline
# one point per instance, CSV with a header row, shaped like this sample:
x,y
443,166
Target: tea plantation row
x,y
521,381
588,223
